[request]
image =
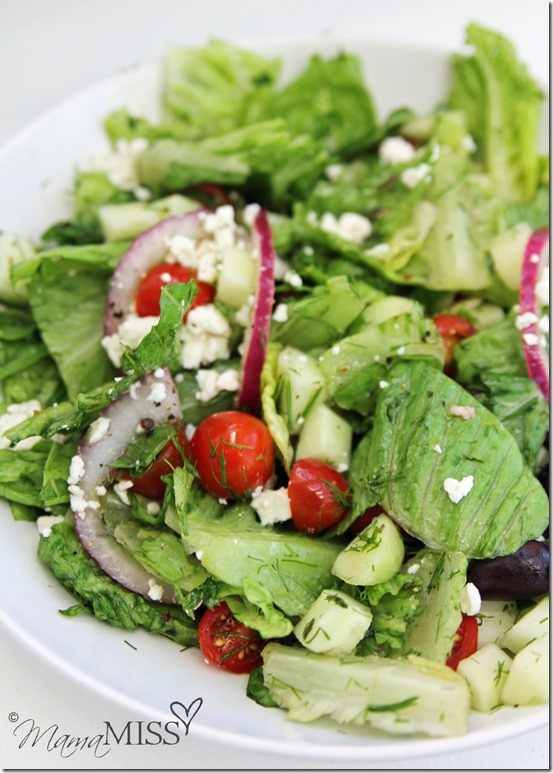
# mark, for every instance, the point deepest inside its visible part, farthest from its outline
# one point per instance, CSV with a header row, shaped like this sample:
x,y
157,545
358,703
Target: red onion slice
x,y
536,257
147,250
257,336
154,397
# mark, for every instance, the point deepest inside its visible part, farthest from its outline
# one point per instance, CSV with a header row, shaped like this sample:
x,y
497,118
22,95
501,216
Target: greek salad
x,y
279,387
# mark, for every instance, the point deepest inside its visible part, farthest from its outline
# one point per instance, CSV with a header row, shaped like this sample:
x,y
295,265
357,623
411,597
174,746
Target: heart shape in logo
x,y
178,709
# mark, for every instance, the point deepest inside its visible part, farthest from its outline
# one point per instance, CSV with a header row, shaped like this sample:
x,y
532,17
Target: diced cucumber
x,y
479,312
531,626
334,624
375,555
388,307
486,673
432,633
401,696
14,249
528,680
494,620
325,436
125,221
507,251
300,386
237,276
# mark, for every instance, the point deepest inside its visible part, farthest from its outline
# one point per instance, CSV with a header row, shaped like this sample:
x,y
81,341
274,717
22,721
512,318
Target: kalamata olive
x,y
522,575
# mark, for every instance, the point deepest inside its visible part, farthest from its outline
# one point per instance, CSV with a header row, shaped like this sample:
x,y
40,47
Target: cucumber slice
x,y
388,307
486,673
334,624
401,696
325,436
374,556
531,626
494,620
301,386
125,221
528,679
507,251
237,277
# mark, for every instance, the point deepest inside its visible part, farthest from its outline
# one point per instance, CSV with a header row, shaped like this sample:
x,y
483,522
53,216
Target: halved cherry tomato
x,y
318,495
368,516
228,643
149,483
233,453
453,329
149,290
466,641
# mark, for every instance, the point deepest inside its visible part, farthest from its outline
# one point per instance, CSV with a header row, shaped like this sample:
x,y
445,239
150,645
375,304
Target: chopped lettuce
x,y
495,351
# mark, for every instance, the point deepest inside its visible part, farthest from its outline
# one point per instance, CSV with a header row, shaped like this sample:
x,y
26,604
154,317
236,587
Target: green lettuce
x,y
495,351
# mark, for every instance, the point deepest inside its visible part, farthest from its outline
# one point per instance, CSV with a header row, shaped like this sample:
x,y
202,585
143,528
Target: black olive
x,y
522,575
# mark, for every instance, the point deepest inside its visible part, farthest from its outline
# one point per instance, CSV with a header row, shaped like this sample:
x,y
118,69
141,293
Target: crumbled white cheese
x,y
415,175
280,313
121,488
349,226
293,278
466,412
534,258
119,164
336,349
130,332
221,225
401,350
457,489
15,414
44,524
183,249
159,373
189,431
333,171
343,467
153,508
155,591
272,506
543,324
413,569
396,150
134,389
308,249
205,337
383,384
470,600
211,383
542,287
251,211
98,429
222,501
76,470
525,320
158,393
281,267
437,448
531,339
101,491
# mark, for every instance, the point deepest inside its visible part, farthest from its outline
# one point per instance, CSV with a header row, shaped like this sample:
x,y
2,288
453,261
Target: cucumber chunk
x,y
531,626
334,624
374,556
507,252
401,696
528,680
388,307
237,277
301,386
486,673
494,620
325,436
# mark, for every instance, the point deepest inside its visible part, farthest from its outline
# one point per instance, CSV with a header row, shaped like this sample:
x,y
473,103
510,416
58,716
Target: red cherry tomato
x,y
228,643
149,290
466,641
318,495
233,453
149,484
368,516
453,329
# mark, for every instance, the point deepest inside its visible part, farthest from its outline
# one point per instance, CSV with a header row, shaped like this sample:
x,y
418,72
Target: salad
x,y
279,387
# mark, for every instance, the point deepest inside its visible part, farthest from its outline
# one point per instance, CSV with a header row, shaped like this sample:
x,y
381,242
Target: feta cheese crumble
x,y
211,383
205,337
531,339
44,524
465,412
396,150
280,313
525,320
121,489
457,489
130,333
15,414
415,175
98,429
155,591
470,600
349,226
158,393
272,506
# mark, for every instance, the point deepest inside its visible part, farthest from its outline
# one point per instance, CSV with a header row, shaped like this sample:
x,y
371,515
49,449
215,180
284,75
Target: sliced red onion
x,y
147,250
536,257
154,398
257,336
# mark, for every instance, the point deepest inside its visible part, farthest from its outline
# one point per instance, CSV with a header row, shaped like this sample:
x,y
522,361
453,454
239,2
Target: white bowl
x,y
36,174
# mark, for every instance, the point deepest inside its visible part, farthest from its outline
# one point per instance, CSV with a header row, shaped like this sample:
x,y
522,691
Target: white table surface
x,y
48,50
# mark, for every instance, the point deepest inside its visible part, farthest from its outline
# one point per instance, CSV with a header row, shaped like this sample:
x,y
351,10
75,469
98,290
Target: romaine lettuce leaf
x,y
495,351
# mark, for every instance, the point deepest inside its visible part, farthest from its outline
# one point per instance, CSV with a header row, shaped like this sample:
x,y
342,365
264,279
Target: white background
x,y
51,48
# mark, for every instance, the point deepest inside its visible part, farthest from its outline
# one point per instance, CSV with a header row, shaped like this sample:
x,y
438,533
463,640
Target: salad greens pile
x,y
380,226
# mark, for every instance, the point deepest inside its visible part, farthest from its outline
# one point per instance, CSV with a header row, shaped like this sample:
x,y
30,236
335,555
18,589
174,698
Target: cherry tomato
x,y
466,641
228,643
233,453
318,495
149,290
368,516
453,329
149,484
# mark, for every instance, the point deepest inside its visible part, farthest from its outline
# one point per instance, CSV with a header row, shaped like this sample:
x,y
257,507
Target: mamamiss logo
x,y
133,733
